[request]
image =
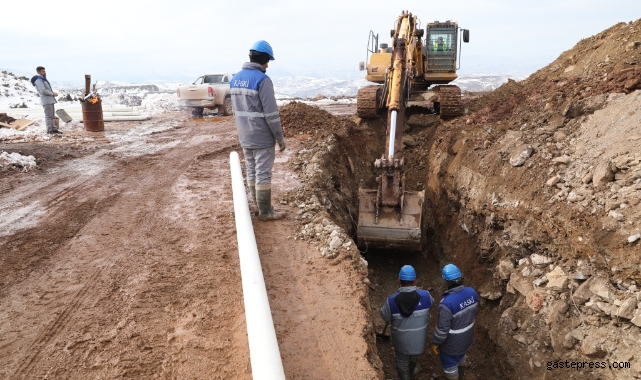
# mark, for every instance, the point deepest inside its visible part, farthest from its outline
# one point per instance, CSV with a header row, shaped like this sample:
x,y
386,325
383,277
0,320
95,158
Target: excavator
x,y
412,72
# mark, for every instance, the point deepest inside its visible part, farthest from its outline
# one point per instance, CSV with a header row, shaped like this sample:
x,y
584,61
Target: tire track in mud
x,y
54,328
135,198
145,281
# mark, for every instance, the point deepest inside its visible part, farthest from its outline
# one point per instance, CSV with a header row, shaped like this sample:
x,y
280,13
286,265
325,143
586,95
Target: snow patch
x,y
17,160
18,216
159,103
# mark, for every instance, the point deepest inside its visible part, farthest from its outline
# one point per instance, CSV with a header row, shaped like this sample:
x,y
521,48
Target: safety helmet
x,y
263,47
407,273
451,272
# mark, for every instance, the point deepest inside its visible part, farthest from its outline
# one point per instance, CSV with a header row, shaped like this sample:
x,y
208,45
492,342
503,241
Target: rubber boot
x,y
264,201
412,369
461,372
252,192
403,373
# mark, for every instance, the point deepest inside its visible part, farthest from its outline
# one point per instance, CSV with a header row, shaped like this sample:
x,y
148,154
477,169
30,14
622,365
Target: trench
x,y
348,166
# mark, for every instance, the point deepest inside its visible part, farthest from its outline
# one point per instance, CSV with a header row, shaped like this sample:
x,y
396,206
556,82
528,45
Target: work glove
x,y
281,145
435,349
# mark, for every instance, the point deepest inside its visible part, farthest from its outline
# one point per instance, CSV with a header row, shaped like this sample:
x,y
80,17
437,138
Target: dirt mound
x,y
301,119
541,184
602,64
594,58
6,119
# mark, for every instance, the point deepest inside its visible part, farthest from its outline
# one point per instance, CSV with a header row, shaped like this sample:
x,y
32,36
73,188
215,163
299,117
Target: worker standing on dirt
x,y
408,311
47,98
258,124
455,328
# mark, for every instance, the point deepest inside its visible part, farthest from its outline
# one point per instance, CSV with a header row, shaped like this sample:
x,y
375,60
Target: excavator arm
x,y
390,217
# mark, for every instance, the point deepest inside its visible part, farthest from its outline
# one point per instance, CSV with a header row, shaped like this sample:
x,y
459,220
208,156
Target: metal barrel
x,y
92,117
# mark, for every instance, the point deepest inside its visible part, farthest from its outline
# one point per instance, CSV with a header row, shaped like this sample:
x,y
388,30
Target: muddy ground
x,y
119,254
119,260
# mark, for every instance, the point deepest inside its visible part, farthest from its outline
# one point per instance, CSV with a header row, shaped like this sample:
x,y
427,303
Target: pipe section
x,y
264,353
392,136
122,118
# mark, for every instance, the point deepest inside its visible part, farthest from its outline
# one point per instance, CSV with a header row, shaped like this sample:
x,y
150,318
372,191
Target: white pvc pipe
x,y
69,109
392,136
131,113
264,353
122,118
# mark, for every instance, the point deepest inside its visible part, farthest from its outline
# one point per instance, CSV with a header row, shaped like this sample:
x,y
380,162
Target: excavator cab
x,y
441,52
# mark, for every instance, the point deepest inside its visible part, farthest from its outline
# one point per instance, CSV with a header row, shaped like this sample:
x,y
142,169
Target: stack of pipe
x,y
109,112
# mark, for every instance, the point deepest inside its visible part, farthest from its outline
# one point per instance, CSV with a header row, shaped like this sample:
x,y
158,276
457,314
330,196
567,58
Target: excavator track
x,y
367,101
451,106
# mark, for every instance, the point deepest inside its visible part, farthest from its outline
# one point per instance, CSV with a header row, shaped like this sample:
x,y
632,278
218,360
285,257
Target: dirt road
x,y
119,260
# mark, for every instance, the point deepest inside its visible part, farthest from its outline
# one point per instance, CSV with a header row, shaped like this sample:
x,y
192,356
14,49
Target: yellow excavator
x,y
412,72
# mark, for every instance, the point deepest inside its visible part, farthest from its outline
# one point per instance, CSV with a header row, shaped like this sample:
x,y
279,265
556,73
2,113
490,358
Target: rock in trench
x,y
626,310
505,268
521,156
583,293
602,174
591,347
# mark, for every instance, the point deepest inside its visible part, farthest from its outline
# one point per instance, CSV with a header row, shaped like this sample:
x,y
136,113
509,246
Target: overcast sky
x,y
140,40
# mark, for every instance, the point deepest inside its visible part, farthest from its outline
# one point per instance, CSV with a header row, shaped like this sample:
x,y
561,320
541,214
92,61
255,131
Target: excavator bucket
x,y
390,229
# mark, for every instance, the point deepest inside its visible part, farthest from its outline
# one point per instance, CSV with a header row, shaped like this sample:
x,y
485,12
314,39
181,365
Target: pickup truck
x,y
209,91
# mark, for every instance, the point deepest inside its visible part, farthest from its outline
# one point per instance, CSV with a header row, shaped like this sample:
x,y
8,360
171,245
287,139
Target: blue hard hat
x,y
407,273
451,272
263,47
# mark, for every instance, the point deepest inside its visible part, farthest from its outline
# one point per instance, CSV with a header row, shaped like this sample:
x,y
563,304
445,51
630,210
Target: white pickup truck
x,y
208,91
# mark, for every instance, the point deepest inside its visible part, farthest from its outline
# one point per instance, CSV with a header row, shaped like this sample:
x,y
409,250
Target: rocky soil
x,y
535,193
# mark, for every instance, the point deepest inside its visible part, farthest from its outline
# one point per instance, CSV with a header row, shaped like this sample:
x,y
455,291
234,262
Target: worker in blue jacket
x,y
258,125
455,327
408,311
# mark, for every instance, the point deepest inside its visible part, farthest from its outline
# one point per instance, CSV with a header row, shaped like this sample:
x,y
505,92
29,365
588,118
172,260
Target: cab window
x,y
441,41
215,79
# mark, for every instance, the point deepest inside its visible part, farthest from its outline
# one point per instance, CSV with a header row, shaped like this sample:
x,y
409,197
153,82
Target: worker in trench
x,y
455,327
408,311
258,125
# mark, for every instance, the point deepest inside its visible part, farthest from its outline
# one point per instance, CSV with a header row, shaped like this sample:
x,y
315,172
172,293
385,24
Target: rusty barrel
x,y
92,117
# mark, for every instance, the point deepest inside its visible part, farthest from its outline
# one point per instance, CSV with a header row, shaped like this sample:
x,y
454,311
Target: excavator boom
x,y
390,217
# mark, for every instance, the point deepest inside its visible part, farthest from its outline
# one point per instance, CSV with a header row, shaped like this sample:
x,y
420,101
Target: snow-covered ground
x,y
154,98
17,160
484,82
307,87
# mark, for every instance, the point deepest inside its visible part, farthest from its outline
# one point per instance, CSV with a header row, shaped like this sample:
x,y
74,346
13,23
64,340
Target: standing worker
x,y
47,98
258,124
455,328
408,311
